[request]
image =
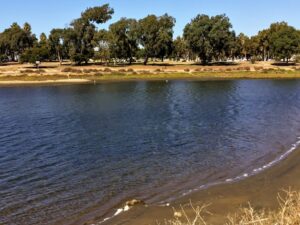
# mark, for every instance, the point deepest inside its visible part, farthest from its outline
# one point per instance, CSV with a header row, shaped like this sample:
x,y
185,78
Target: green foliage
x,y
156,35
15,40
205,38
3,58
210,37
58,44
38,53
98,15
241,49
35,54
284,41
101,44
180,49
82,31
123,39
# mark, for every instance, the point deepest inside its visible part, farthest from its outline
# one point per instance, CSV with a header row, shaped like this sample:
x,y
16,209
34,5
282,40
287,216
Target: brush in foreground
x,y
288,213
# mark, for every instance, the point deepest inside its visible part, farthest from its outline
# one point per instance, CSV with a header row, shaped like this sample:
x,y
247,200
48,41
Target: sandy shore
x,y
260,190
52,73
43,82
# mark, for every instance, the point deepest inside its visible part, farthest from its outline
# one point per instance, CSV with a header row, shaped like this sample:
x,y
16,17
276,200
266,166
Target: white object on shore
x,y
126,208
118,212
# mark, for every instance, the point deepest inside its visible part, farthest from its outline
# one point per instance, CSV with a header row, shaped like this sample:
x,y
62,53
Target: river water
x,y
66,151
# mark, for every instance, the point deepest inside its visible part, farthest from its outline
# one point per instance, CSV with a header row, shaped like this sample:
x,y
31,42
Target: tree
x,y
123,39
15,40
156,35
58,44
101,43
240,47
38,53
263,39
209,37
82,31
179,48
284,41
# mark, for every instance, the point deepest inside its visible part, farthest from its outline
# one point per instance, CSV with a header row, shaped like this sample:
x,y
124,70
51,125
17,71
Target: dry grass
x,y
288,213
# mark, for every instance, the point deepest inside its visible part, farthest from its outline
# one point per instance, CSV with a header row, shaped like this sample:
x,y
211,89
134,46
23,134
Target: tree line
x,y
205,38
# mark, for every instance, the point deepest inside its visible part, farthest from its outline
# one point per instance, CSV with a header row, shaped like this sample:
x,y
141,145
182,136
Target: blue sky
x,y
246,16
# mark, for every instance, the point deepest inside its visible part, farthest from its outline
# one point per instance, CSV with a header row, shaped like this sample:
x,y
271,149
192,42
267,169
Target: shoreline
x,y
259,189
51,73
30,80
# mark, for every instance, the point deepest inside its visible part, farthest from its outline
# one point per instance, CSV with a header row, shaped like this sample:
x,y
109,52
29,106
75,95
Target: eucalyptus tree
x,y
58,44
209,37
38,53
156,36
180,50
101,44
15,40
123,39
81,32
284,41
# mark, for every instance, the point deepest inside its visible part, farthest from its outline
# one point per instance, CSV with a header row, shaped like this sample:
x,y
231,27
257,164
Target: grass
x,y
111,75
288,213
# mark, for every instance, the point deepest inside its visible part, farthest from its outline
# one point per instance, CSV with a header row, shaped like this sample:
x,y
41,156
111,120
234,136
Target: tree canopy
x,y
209,37
205,38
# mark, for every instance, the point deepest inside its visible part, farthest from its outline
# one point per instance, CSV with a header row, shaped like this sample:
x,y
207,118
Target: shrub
x,y
257,68
287,214
70,70
253,60
107,70
186,70
130,70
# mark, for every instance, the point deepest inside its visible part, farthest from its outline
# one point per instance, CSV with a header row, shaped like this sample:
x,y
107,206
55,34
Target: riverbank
x,y
226,199
51,73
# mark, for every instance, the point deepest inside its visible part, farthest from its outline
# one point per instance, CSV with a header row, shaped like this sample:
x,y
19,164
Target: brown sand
x,y
51,73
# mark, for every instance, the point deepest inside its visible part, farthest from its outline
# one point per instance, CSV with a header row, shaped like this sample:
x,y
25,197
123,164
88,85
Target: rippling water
x,y
67,151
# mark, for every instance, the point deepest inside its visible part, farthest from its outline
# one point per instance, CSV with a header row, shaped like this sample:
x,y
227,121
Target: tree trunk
x,y
59,58
146,60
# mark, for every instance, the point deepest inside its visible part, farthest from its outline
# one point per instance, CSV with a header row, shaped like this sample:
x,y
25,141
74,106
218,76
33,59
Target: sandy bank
x,y
42,82
52,73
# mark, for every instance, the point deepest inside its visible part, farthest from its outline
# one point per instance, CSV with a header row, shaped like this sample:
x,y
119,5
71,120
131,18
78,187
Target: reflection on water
x,y
68,150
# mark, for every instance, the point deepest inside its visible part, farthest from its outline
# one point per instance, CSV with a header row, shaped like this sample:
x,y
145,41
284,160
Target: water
x,y
67,151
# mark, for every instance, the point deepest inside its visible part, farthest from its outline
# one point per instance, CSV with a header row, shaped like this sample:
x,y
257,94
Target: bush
x,y
297,59
253,60
257,68
107,70
186,70
3,58
70,70
98,74
288,213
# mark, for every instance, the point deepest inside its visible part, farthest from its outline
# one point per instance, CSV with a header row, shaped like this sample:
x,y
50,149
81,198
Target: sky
x,y
246,16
